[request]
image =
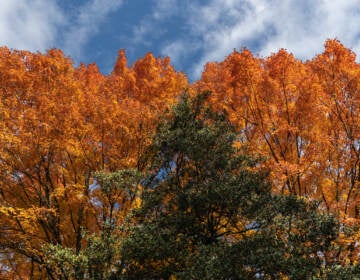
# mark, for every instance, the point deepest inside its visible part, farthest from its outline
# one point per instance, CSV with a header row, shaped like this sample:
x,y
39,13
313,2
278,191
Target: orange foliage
x,y
303,118
59,125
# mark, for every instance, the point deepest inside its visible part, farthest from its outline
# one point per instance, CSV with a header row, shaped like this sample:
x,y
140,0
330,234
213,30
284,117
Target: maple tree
x,y
302,118
270,102
338,78
289,112
40,117
59,126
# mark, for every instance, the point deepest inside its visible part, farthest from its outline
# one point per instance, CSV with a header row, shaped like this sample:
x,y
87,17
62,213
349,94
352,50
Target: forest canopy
x,y
259,153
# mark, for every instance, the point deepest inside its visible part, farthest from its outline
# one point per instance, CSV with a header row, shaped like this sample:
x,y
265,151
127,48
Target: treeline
x,y
208,183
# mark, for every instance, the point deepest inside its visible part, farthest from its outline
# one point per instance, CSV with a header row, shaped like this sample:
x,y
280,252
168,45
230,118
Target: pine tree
x,y
208,213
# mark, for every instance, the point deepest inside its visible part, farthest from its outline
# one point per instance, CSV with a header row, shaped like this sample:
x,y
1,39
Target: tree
x,y
270,102
58,126
208,213
338,79
113,196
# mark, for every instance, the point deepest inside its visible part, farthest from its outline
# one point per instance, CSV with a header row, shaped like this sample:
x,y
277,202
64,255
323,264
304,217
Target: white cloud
x,y
87,24
265,26
164,9
212,29
303,28
175,50
38,25
179,50
30,25
153,25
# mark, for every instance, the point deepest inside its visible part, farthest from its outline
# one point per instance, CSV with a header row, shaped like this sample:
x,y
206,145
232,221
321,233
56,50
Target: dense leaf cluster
x,y
241,183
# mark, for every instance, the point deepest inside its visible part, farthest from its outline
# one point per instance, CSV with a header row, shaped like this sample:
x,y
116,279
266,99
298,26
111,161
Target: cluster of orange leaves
x,y
60,124
301,117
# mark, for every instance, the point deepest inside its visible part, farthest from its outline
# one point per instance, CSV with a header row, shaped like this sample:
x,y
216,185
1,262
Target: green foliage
x,y
65,262
100,255
97,261
123,180
339,272
208,213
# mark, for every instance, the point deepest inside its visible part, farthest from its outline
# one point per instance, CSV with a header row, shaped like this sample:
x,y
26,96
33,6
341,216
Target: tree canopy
x,y
273,151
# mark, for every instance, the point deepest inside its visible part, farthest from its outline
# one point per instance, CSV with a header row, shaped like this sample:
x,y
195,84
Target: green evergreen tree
x,y
207,213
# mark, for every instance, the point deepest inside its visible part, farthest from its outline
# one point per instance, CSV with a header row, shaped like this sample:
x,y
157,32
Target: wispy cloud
x,y
165,8
216,27
151,25
38,25
266,26
87,24
191,32
165,29
31,25
180,50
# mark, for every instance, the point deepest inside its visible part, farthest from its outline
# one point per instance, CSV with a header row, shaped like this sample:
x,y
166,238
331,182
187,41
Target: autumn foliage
x,y
302,117
60,124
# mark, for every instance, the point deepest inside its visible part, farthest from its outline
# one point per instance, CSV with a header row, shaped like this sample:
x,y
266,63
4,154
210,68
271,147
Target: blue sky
x,y
191,32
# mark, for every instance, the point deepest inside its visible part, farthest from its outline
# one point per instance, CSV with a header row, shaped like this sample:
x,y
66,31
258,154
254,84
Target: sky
x,y
190,32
